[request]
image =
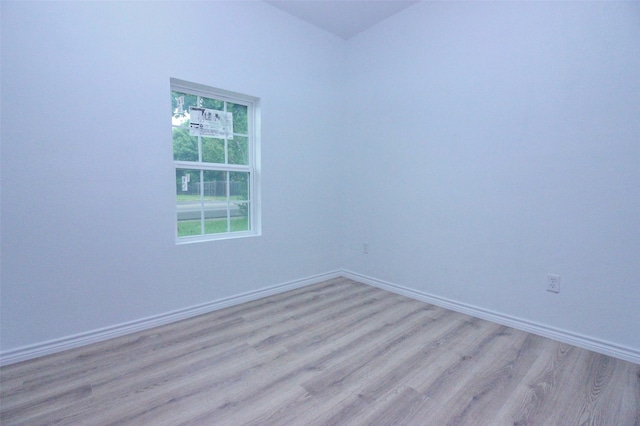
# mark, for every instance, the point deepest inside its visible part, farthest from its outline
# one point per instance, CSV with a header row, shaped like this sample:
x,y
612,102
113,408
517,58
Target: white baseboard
x,y
57,345
595,345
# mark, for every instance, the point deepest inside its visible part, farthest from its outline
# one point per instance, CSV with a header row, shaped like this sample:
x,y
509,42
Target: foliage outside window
x,y
215,154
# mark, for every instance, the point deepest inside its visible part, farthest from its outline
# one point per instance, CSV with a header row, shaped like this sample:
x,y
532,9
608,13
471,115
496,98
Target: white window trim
x,y
253,124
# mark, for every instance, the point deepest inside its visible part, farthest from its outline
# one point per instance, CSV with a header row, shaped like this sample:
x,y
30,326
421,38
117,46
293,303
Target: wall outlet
x,y
365,248
553,283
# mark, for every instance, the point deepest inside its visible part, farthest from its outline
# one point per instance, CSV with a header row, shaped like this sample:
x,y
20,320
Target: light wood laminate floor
x,y
338,352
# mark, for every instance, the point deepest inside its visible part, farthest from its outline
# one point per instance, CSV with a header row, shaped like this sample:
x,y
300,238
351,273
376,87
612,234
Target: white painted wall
x,y
493,143
484,145
87,175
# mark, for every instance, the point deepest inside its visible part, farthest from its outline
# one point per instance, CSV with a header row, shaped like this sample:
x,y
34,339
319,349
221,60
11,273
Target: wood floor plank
x,y
341,350
337,352
491,388
587,404
386,370
197,339
529,401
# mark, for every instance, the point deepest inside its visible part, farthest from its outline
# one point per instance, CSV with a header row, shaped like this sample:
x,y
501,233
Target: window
x,y
216,158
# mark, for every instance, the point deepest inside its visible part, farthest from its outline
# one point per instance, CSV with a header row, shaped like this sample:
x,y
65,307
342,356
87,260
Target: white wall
x,y
88,211
493,143
484,145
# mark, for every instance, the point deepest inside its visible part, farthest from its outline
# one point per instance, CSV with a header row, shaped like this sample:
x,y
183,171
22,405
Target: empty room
x,y
320,212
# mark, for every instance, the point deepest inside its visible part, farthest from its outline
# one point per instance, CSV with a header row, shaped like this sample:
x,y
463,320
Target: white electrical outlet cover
x,y
553,283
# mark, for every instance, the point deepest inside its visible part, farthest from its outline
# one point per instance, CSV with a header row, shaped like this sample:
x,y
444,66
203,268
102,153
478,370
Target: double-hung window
x,y
216,158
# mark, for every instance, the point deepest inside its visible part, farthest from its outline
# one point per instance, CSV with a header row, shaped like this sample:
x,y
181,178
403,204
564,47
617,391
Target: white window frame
x,y
253,167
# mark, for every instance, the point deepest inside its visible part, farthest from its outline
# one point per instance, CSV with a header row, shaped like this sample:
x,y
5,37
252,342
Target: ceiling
x,y
344,18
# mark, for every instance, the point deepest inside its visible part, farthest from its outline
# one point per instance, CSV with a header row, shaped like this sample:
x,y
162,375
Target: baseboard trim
x,y
78,340
74,341
595,345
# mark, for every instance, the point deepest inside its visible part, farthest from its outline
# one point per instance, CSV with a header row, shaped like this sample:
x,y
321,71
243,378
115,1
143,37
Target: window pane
x,y
216,203
239,117
213,150
238,150
188,203
180,103
215,218
215,186
239,186
212,103
239,217
185,146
